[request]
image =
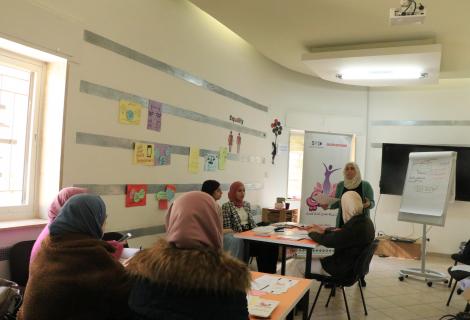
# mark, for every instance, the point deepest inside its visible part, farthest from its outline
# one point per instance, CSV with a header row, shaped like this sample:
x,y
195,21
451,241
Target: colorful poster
x,y
193,161
136,195
162,198
144,154
162,154
154,120
211,162
223,152
325,155
129,112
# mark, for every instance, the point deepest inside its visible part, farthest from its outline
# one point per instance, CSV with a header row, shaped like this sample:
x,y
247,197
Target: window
x,y
20,82
296,161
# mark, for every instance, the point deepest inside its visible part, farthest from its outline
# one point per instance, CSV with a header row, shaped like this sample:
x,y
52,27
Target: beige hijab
x,y
354,182
351,205
193,222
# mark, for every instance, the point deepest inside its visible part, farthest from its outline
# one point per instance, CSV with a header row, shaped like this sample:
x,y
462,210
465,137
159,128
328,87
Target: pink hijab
x,y
232,194
52,212
193,222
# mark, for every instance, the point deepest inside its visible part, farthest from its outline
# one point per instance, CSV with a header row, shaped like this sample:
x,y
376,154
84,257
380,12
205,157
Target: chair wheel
x,y
401,278
429,283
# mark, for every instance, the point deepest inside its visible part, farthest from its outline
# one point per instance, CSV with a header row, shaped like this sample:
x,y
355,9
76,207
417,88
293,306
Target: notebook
x,y
259,307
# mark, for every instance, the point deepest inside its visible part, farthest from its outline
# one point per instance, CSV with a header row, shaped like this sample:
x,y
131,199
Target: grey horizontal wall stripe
x,y
110,93
421,123
120,189
132,54
124,143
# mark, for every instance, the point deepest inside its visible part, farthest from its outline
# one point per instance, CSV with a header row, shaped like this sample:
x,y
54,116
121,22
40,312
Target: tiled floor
x,y
387,297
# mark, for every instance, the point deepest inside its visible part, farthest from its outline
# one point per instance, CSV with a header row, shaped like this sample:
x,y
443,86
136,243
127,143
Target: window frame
x,y
33,127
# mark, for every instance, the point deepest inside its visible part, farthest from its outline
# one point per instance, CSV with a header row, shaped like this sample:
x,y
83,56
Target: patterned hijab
x,y
232,194
354,182
60,200
193,222
83,213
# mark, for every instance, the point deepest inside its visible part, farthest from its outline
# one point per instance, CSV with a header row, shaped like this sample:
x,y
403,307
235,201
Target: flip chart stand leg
x,y
429,276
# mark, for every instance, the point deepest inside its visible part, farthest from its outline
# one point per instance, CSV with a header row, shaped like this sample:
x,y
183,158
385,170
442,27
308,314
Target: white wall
x,y
450,100
177,32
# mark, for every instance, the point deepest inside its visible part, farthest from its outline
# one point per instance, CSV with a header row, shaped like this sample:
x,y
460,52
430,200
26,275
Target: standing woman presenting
x,y
353,182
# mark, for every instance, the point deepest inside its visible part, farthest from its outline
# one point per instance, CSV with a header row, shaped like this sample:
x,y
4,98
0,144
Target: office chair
x,y
361,268
19,262
462,257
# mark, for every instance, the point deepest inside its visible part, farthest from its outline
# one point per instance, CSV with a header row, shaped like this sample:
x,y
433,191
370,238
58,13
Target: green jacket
x,y
367,192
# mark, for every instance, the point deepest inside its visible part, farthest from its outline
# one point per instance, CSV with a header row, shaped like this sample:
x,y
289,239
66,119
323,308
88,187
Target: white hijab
x,y
354,182
351,205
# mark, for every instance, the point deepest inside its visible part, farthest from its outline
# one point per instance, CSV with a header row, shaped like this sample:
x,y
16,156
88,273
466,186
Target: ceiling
x,y
284,30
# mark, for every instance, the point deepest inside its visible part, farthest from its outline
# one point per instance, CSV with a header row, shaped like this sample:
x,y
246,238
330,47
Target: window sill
x,y
21,224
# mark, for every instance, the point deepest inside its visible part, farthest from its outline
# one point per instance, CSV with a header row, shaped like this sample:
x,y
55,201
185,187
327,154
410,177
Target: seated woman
x,y
188,276
237,217
74,275
349,241
52,213
212,188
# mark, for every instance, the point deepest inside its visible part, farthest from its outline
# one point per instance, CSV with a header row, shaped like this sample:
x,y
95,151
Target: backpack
x,y
10,299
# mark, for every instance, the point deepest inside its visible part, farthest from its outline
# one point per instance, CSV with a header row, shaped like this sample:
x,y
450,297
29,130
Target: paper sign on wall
x,y
211,162
162,154
193,161
154,120
144,154
129,112
136,195
223,152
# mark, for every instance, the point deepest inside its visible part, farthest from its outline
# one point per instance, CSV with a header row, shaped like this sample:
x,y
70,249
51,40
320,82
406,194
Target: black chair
x,y
116,236
361,268
462,257
19,262
457,275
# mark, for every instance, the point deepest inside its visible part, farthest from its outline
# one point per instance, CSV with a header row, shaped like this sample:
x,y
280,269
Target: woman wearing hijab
x,y
188,276
237,217
353,182
74,275
52,213
349,241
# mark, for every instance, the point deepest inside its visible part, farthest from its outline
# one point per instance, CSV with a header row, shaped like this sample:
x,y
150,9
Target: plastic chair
x,y
361,268
462,257
457,275
19,262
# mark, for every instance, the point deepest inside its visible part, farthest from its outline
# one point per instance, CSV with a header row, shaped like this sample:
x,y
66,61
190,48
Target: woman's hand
x,y
366,203
315,228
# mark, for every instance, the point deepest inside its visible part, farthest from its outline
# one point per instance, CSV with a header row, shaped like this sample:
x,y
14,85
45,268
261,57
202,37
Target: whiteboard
x,y
429,186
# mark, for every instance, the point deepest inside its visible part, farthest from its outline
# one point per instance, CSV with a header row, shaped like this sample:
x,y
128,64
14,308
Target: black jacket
x,y
179,284
348,242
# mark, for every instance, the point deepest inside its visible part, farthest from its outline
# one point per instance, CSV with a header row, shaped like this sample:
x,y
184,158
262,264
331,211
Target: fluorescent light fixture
x,y
382,74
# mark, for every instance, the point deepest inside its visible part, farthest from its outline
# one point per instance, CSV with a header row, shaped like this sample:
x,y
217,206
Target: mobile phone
x,y
125,237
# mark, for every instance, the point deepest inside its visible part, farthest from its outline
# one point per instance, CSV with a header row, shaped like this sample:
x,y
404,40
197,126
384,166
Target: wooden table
x,y
289,300
307,244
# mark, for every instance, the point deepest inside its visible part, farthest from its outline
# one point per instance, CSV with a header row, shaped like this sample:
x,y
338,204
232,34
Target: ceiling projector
x,y
409,12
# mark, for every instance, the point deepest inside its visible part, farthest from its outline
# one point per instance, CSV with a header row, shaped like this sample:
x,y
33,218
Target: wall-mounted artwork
x,y
223,152
193,160
129,112
162,154
136,195
277,131
154,120
230,141
144,154
211,163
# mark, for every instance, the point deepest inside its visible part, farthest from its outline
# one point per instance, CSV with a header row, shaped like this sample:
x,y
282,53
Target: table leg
x,y
308,262
305,306
283,260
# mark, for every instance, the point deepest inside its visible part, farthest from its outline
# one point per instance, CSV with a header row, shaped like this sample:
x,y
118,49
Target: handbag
x,y
10,299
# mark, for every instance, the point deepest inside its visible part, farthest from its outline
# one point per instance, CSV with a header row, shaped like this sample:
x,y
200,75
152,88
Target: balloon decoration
x,y
277,131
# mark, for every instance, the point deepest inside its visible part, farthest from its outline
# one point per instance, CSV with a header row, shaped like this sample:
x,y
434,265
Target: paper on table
x,y
129,252
261,307
263,230
272,284
323,199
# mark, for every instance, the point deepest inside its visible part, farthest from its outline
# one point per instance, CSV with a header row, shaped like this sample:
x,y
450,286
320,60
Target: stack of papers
x,y
273,284
263,231
261,307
